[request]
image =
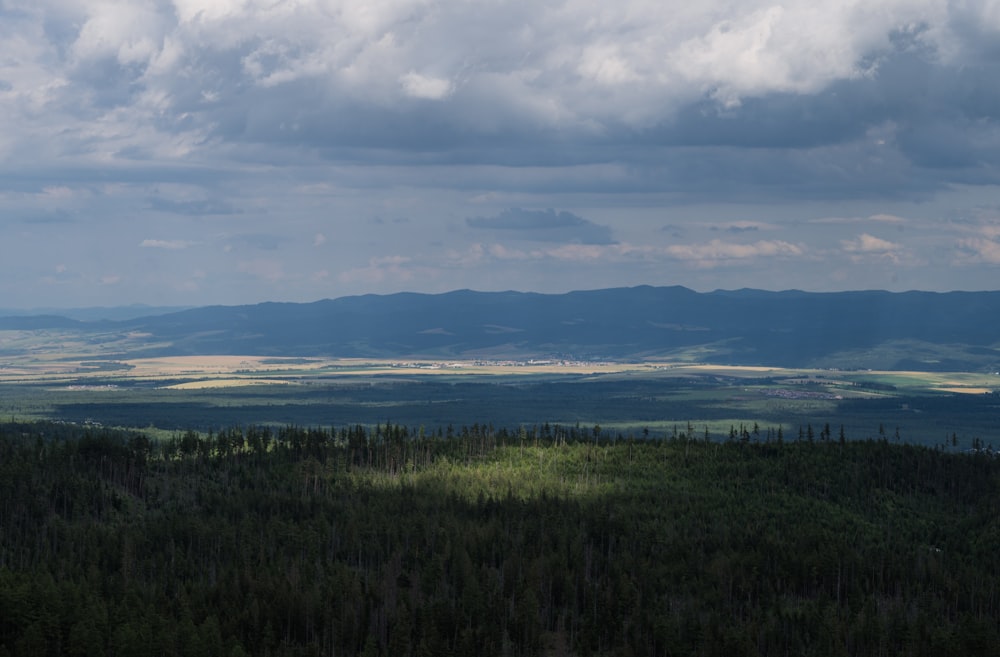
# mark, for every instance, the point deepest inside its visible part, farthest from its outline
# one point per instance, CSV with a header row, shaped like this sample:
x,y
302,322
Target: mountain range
x,y
849,330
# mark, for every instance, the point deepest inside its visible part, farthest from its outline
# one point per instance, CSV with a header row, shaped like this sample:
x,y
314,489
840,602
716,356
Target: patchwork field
x,y
166,394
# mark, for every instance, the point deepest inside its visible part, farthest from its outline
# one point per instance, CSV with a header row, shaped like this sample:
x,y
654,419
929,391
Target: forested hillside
x,y
387,541
866,329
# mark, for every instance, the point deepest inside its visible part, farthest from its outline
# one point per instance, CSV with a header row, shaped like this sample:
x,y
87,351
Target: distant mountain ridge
x,y
876,329
94,313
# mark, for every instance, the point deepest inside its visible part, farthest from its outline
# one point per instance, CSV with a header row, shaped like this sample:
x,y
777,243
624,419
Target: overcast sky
x,y
233,151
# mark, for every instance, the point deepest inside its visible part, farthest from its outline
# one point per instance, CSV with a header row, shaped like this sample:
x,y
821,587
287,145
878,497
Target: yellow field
x,y
228,371
967,391
225,383
197,372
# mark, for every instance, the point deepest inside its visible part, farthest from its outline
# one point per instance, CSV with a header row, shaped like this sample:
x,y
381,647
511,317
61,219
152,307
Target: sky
x,y
194,152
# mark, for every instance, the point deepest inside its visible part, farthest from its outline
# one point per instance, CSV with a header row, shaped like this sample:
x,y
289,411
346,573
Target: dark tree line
x,y
390,540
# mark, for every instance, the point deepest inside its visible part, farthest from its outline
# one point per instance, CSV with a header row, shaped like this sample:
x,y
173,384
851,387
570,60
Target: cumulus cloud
x,y
978,250
185,65
866,243
312,118
545,226
710,254
718,252
869,245
576,252
420,86
189,81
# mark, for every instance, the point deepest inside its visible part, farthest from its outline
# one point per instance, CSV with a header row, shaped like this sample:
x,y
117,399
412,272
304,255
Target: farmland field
x,y
651,398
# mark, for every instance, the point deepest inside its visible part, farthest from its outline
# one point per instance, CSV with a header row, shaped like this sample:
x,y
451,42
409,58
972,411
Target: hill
x,y
864,329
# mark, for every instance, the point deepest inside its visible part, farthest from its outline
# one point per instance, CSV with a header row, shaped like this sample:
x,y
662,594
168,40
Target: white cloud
x,y
866,243
979,250
718,252
420,86
130,32
710,254
577,252
871,246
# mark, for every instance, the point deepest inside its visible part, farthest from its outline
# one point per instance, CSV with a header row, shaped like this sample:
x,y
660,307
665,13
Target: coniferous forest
x,y
549,540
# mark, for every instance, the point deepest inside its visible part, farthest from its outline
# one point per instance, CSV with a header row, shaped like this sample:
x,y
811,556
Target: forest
x,y
475,540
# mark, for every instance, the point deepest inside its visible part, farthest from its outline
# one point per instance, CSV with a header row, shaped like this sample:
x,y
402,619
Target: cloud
x,y
286,124
978,250
501,252
739,227
577,252
166,244
544,226
866,243
887,219
983,247
870,245
241,80
419,86
717,252
711,254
